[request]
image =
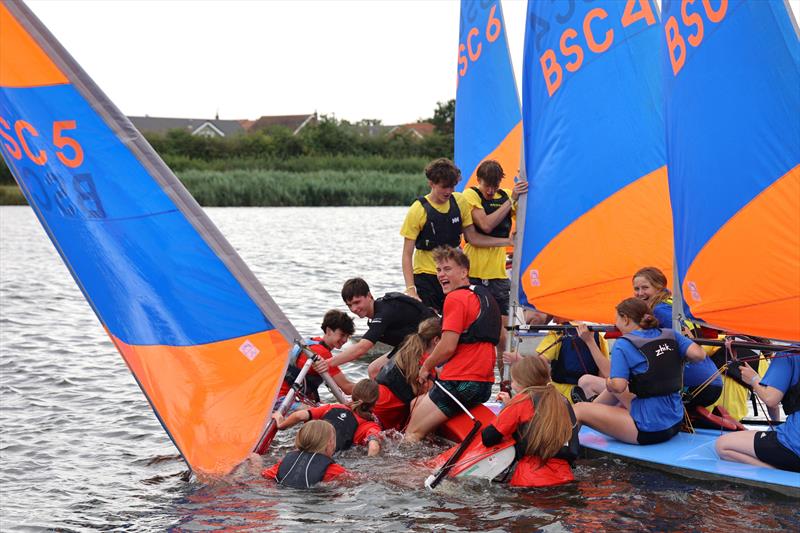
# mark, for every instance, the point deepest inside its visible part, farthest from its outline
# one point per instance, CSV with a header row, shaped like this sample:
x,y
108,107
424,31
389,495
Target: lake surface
x,y
81,449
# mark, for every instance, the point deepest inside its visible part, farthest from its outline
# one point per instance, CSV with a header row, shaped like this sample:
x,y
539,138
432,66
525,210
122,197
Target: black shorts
x,y
654,437
707,396
769,450
430,291
499,288
469,393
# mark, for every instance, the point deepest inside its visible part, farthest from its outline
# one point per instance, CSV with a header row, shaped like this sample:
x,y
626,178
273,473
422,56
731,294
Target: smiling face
x,y
440,192
451,275
643,289
335,338
361,306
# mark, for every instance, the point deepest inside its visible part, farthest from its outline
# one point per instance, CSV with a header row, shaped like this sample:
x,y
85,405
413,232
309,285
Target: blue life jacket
x,y
574,360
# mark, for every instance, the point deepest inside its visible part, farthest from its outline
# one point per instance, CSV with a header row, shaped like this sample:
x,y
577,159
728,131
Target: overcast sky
x,y
391,60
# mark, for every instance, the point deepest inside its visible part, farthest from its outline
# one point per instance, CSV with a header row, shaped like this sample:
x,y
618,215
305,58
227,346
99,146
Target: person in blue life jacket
x,y
648,360
771,449
702,383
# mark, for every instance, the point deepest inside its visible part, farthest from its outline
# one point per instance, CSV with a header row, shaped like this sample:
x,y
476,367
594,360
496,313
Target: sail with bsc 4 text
x,y
488,121
205,342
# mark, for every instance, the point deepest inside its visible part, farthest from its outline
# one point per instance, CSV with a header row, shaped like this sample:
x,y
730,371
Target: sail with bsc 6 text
x,y
205,342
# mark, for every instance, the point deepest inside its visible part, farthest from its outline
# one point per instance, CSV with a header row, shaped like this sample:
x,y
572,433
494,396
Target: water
x,y
81,449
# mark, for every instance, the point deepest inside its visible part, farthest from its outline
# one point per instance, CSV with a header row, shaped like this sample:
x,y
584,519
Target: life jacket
x,y
486,327
574,360
302,470
424,310
791,399
393,378
440,228
345,424
503,229
664,374
309,387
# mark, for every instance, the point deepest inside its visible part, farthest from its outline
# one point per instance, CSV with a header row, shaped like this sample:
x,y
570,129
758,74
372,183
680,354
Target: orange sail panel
x,y
598,206
204,341
733,131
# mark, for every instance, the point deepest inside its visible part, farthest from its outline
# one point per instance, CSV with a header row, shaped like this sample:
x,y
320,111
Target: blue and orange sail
x,y
488,121
598,204
732,86
205,342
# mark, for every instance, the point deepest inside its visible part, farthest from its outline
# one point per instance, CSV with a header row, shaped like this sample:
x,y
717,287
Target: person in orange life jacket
x,y
397,380
311,461
579,361
437,219
650,285
541,422
493,212
772,449
337,328
391,318
650,360
354,423
470,331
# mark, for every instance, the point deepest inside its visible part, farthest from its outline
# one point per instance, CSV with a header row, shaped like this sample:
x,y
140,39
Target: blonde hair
x,y
551,425
364,398
414,346
314,436
658,280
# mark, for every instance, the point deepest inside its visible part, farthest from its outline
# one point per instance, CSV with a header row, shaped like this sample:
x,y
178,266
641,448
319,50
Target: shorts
x,y
769,450
655,437
469,393
499,288
707,396
430,291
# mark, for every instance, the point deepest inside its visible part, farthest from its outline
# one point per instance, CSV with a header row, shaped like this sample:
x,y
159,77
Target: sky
x,y
381,59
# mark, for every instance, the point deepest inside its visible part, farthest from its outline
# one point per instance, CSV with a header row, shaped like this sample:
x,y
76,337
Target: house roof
x,y
419,129
162,125
294,123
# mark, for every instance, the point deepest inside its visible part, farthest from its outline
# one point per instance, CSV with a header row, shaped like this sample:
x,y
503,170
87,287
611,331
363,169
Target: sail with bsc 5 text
x,y
205,342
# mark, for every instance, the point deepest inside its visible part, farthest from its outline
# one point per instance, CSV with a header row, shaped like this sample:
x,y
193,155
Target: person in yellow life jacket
x,y
578,358
493,213
437,219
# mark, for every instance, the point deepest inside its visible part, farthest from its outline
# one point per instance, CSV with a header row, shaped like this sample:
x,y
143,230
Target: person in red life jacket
x,y
470,331
649,359
337,328
354,423
541,422
311,460
397,380
391,318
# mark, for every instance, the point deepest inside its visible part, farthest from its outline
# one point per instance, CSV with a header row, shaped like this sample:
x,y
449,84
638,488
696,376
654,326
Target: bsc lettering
x,y
73,195
676,43
470,51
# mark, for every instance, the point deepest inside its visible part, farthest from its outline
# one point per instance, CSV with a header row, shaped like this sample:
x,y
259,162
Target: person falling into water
x,y
437,219
311,462
493,213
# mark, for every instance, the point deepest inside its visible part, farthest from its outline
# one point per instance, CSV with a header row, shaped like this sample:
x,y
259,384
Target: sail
x,y
732,82
205,342
598,204
488,122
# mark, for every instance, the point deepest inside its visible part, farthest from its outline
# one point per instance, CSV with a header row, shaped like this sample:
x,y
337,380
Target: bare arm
x,y
695,353
488,222
602,362
443,351
408,267
348,354
484,241
770,395
345,384
292,419
616,385
373,448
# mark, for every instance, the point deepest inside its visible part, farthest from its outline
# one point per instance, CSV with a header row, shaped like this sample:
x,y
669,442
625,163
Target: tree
x,y
444,117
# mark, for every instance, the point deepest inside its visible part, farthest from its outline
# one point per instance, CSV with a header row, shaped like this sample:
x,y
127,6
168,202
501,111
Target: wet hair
x,y
335,319
490,172
314,436
364,398
443,172
551,425
658,280
448,253
354,287
638,311
414,346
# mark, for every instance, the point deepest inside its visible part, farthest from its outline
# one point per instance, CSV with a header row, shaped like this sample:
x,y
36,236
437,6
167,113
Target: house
x,y
293,123
195,126
420,130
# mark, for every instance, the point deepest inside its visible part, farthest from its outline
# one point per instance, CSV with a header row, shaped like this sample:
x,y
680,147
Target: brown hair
x,y
314,436
490,172
354,287
364,398
335,319
414,345
551,425
658,280
448,253
443,172
638,311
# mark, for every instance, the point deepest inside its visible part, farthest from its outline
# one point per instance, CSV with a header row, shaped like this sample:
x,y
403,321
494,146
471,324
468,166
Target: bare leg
x,y
738,446
425,418
592,385
610,420
375,366
606,398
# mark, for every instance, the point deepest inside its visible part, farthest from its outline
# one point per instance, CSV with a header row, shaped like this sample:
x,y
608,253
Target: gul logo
x,y
662,349
249,350
535,278
693,291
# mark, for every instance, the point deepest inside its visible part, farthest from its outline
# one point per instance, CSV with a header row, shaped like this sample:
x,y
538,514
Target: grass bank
x,y
11,195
